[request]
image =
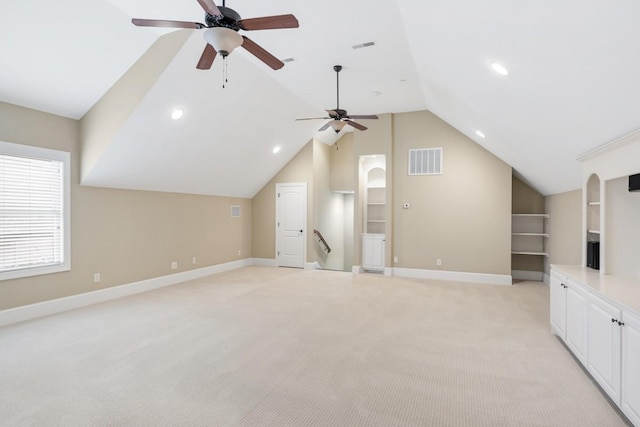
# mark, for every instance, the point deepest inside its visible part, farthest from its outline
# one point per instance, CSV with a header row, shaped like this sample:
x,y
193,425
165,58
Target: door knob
x,y
301,231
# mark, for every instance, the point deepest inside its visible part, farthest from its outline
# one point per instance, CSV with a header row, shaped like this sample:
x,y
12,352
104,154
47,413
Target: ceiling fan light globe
x,y
337,125
223,40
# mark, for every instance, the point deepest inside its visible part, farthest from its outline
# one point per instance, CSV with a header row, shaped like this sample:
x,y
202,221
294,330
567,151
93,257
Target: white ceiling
x,y
573,82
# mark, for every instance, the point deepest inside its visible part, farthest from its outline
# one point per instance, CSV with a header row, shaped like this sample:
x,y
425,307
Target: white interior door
x,y
291,222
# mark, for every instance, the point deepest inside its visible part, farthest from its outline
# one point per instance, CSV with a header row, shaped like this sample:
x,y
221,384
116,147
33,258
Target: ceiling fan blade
x,y
166,24
269,22
325,126
206,60
373,117
356,125
261,54
210,7
315,118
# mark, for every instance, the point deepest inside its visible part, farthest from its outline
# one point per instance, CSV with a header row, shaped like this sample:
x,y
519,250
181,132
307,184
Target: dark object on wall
x,y
634,182
593,255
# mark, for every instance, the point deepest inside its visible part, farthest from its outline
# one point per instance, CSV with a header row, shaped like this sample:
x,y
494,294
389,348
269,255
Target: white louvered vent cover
x,y
425,161
235,211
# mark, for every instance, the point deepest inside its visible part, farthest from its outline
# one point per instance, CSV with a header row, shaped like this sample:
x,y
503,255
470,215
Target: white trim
x,y
264,262
547,279
312,265
388,271
46,308
611,145
458,276
536,276
356,269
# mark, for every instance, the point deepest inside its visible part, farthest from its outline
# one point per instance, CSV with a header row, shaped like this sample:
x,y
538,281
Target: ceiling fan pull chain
x,y
225,72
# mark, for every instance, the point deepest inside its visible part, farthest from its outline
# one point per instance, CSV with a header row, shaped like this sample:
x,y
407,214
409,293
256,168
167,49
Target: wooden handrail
x,y
325,246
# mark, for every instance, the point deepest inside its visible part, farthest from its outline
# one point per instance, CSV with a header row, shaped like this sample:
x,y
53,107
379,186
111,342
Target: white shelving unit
x,y
528,234
376,210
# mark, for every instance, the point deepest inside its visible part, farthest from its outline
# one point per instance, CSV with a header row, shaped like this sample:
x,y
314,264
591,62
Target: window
x,y
34,211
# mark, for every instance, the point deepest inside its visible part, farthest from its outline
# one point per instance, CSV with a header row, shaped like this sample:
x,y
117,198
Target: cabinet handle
x,y
620,323
613,320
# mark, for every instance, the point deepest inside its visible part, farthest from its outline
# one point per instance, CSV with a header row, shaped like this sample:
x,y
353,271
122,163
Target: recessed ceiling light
x,y
177,114
480,134
499,68
276,149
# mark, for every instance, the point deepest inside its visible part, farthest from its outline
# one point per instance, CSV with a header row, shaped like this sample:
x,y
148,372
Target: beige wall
x,y
564,228
622,230
343,176
299,169
526,200
124,235
462,216
328,210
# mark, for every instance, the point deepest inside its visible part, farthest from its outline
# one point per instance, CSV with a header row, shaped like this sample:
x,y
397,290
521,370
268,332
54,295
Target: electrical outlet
x,y
193,260
96,277
239,252
439,261
395,259
174,265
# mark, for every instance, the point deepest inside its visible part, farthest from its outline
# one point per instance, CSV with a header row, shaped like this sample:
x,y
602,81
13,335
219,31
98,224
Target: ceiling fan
x,y
222,25
339,118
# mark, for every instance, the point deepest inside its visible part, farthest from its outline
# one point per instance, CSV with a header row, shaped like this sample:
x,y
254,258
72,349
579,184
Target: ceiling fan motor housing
x,y
228,19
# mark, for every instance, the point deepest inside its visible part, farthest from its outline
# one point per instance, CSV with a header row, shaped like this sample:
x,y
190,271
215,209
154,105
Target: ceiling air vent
x,y
235,211
425,161
360,46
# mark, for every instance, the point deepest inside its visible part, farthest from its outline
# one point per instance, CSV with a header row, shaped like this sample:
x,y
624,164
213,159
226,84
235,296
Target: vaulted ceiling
x,y
572,84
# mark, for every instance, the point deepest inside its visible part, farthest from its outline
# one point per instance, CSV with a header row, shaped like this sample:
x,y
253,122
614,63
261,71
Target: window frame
x,y
28,151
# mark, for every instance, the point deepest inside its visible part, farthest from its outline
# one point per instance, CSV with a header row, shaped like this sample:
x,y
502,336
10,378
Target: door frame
x,y
279,186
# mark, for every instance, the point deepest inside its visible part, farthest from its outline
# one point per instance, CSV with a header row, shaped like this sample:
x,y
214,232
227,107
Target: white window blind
x,y
33,217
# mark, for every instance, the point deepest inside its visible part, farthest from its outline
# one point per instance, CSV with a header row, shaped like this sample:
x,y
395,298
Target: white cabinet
x,y
569,314
604,345
576,321
373,252
558,298
631,367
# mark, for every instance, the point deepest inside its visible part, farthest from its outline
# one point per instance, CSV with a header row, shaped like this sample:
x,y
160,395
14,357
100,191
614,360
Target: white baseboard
x,y
45,308
388,271
536,276
264,262
312,265
356,269
482,278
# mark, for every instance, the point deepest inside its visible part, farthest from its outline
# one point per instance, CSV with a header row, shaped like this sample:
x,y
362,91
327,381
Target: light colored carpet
x,y
282,347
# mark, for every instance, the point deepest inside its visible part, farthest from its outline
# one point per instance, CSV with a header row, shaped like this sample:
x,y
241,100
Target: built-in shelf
x,y
528,234
532,215
376,203
594,203
376,220
594,231
530,253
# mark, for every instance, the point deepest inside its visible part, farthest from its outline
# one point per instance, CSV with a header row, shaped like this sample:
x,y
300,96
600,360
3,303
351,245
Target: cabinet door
x,y
631,368
558,296
604,346
576,320
373,252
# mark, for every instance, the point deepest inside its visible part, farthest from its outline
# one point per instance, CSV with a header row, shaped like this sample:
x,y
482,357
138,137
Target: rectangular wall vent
x,y
235,211
425,161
